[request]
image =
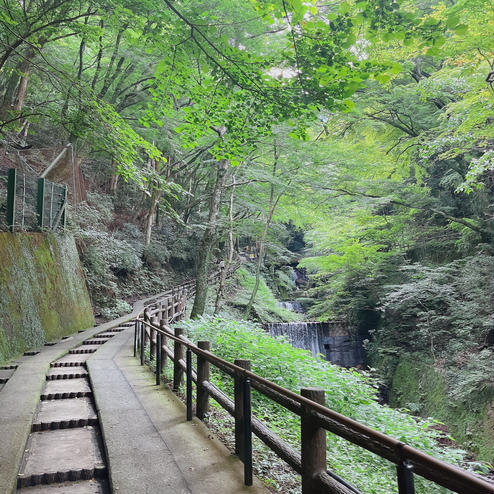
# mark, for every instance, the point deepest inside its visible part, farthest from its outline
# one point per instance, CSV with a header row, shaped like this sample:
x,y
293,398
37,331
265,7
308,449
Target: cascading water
x,y
330,339
294,306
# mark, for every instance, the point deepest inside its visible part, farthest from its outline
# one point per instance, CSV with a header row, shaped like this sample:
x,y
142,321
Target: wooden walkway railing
x,y
153,327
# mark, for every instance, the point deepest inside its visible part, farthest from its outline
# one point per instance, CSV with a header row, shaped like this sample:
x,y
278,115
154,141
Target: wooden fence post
x,y
178,354
313,440
144,336
136,336
164,343
164,310
239,407
152,339
171,307
159,353
202,404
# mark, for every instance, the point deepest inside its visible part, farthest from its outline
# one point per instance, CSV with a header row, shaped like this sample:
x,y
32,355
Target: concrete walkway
x,y
19,399
149,444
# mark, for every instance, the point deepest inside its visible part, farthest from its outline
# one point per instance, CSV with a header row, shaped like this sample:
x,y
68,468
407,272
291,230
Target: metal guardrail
x,y
30,203
316,419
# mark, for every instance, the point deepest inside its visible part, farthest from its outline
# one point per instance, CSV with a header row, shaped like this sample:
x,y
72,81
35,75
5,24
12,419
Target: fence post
x,y
247,433
180,306
164,311
313,440
164,342
143,332
239,407
136,329
152,339
11,186
178,354
40,208
188,383
143,335
171,307
158,358
202,404
404,471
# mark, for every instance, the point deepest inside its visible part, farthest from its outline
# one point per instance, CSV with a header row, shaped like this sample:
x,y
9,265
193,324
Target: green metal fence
x,y
29,203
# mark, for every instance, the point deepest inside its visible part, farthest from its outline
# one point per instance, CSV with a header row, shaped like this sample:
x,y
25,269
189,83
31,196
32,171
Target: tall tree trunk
x,y
22,90
15,92
151,215
262,242
8,97
231,250
25,68
151,212
207,243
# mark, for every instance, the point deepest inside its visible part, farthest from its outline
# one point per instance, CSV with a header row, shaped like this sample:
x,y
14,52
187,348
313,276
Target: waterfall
x,y
330,339
293,305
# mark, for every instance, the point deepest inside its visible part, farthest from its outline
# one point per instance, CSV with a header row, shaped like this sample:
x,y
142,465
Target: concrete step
x,y
64,414
84,349
5,375
93,486
70,360
31,353
106,335
66,388
116,330
60,456
9,367
66,373
95,341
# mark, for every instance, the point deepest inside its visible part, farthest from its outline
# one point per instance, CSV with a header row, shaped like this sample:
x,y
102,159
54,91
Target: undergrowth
x,y
265,307
348,392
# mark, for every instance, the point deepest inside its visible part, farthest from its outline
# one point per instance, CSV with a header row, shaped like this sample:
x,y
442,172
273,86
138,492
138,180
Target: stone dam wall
x,y
331,339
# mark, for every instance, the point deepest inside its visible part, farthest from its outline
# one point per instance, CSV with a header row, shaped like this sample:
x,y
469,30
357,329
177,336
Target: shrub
x,y
348,392
155,255
119,308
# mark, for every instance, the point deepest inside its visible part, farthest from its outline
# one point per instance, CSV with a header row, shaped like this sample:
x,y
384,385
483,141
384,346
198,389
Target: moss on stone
x,y
423,389
43,292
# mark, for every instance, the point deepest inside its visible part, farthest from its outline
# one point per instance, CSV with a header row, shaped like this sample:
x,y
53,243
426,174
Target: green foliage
x,y
423,389
265,305
367,123
119,308
118,262
445,312
348,392
155,255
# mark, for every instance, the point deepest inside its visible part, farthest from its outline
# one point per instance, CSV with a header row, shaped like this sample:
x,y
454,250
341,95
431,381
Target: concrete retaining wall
x,y
43,294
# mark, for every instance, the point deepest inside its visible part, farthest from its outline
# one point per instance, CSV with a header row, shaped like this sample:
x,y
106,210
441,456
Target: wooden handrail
x,y
438,471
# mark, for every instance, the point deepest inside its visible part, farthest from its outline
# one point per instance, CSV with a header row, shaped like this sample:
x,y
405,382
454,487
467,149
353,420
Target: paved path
x,y
150,447
19,399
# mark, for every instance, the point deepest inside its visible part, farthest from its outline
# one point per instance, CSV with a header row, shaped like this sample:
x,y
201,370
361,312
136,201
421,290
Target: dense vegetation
x,y
348,392
353,137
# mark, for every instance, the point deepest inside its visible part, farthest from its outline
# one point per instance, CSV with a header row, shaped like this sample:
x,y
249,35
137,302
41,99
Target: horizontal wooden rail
x,y
438,471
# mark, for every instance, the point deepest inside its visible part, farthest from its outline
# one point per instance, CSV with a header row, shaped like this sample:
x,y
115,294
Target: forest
x,y
339,151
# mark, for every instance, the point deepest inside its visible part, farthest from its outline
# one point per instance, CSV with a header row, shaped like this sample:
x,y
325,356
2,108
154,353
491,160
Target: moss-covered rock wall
x,y
423,389
43,294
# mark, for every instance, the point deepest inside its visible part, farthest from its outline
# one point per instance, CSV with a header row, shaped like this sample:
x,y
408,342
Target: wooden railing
x,y
153,327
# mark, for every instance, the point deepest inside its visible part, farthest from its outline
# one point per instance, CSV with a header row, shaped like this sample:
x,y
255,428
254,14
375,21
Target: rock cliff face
x,y
43,294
